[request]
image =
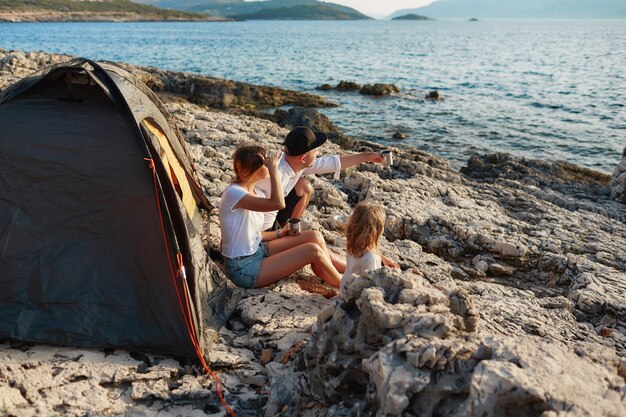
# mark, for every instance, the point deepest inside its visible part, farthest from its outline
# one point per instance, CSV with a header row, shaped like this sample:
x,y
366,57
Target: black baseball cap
x,y
302,139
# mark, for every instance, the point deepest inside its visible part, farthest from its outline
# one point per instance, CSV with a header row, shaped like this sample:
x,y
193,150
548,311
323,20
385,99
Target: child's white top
x,y
241,228
358,266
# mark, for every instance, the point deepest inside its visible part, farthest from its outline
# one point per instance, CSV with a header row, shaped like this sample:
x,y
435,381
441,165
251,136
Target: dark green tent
x,y
100,220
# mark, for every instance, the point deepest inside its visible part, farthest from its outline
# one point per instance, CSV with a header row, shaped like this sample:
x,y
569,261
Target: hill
x,y
513,9
412,16
301,12
272,9
93,10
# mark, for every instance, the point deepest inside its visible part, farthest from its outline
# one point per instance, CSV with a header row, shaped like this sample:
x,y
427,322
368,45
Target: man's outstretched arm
x,y
335,163
351,160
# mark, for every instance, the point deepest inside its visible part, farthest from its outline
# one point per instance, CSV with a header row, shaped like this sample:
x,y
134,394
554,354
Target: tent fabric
x,y
174,168
141,100
92,228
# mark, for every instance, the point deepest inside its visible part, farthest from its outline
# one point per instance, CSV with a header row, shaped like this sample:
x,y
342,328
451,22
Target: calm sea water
x,y
551,90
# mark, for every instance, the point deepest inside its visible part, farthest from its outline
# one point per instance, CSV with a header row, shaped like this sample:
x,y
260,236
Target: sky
x,y
380,8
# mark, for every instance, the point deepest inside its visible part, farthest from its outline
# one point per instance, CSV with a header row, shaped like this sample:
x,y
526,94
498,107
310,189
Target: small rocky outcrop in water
x,y
618,182
341,86
347,86
379,89
434,96
324,87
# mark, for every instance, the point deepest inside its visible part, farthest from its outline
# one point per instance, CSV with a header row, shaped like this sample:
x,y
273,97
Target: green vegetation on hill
x,y
412,17
94,7
302,12
279,9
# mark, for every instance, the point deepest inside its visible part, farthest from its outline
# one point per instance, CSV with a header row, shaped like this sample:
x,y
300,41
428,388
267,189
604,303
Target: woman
x,y
254,258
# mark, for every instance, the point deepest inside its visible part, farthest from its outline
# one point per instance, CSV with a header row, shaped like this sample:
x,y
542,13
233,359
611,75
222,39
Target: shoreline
x,y
510,295
86,17
464,20
241,97
114,21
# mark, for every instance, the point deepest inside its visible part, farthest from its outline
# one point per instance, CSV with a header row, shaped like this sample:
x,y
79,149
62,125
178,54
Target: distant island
x,y
264,10
515,9
89,10
412,16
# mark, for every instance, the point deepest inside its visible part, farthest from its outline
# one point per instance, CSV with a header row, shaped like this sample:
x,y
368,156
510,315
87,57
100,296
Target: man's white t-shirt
x,y
289,178
241,228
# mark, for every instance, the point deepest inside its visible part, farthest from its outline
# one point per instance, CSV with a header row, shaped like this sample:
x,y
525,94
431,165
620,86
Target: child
x,y
253,258
365,227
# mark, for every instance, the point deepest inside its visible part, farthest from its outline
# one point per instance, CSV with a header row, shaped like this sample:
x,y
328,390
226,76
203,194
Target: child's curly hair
x,y
365,227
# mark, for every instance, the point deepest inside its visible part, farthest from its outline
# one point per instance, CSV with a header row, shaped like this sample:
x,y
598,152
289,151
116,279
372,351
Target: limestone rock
x,y
379,89
11,400
434,96
489,377
324,87
347,86
618,181
300,116
151,389
375,310
286,390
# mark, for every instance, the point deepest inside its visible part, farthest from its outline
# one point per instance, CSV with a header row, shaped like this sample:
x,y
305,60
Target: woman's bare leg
x,y
339,261
308,236
280,265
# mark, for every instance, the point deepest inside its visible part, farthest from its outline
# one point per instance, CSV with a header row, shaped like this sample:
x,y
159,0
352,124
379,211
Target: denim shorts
x,y
244,270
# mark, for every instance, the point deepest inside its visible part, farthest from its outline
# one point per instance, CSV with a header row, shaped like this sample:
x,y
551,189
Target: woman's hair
x,y
366,224
246,161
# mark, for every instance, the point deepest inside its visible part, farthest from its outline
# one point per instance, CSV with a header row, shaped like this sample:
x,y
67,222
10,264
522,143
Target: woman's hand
x,y
271,160
284,231
389,262
276,194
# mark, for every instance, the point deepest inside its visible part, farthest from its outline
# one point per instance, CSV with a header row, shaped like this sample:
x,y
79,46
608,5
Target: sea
x,y
541,89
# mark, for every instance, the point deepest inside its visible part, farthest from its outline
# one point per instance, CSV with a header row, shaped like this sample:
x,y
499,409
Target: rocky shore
x,y
511,299
17,11
52,16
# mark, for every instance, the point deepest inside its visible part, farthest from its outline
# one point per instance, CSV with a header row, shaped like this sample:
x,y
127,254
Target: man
x,y
300,158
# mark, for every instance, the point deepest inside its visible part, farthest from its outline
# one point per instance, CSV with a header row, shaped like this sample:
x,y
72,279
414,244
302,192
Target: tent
x,y
100,218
